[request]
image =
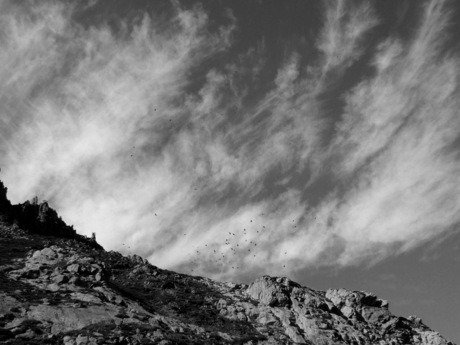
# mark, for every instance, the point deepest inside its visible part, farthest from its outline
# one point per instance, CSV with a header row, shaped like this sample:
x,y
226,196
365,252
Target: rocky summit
x,y
59,287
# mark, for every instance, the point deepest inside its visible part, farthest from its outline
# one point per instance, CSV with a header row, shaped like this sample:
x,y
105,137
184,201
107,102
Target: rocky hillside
x,y
58,287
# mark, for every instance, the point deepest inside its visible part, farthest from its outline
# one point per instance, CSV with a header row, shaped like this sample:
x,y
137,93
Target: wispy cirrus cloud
x,y
342,39
396,143
100,130
203,173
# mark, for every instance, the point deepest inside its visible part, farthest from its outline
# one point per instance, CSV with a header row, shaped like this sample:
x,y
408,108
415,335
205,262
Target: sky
x,y
317,140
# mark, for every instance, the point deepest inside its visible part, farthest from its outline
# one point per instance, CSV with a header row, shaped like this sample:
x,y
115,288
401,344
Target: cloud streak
x,y
397,144
201,173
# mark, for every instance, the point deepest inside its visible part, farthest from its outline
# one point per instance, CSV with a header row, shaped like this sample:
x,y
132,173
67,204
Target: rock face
x,y
40,218
61,288
4,202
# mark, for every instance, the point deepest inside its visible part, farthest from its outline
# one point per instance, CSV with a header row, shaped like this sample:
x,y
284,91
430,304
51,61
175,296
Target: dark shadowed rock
x,y
5,204
5,334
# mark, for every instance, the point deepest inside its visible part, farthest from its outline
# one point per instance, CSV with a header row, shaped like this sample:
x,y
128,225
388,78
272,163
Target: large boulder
x,y
274,292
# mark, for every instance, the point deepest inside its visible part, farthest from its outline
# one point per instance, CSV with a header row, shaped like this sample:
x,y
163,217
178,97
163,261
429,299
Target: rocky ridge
x,y
58,287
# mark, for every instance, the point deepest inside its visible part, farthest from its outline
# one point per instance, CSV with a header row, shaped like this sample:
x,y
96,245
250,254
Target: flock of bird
x,y
236,245
235,248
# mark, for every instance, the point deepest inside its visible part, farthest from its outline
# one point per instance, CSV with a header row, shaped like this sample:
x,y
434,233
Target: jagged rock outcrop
x,y
37,217
57,289
5,204
41,219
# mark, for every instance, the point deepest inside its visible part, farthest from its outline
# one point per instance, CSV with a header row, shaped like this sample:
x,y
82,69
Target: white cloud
x,y
92,138
115,133
341,39
396,141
